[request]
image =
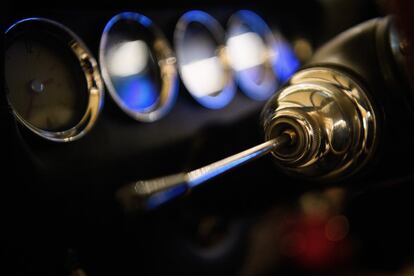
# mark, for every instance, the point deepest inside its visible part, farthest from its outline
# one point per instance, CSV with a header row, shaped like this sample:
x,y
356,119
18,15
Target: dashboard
x,y
111,114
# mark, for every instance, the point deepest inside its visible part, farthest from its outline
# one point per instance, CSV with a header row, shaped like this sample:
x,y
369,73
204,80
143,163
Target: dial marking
x,y
37,86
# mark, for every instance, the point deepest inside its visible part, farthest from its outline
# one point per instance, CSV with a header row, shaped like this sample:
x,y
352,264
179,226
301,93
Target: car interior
x,y
208,137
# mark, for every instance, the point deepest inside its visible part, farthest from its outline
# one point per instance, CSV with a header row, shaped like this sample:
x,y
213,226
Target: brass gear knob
x,y
332,123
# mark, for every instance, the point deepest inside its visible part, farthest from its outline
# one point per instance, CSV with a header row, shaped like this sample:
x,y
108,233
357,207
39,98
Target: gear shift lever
x,y
322,126
148,194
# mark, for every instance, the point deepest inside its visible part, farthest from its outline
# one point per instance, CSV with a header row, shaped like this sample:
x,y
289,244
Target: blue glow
x,y
257,91
136,92
198,16
286,63
164,196
221,169
219,101
142,19
255,22
145,20
256,82
23,20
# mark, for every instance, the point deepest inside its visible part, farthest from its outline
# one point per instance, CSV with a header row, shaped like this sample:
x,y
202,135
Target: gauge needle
x,y
36,87
149,194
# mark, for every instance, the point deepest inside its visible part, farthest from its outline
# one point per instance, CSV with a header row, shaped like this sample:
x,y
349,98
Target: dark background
x,y
60,214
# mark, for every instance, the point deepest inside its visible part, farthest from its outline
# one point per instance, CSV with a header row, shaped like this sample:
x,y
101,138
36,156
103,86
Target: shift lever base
x,y
333,118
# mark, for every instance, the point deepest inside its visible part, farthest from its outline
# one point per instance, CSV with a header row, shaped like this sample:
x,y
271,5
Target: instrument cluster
x,y
55,85
144,98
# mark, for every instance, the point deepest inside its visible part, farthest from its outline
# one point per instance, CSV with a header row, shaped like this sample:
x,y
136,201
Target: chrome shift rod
x,y
149,194
321,126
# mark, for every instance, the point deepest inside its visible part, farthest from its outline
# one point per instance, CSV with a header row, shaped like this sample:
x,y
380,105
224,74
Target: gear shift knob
x,y
334,121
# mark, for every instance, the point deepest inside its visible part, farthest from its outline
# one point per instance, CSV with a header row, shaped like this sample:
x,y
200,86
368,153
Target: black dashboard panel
x,y
61,211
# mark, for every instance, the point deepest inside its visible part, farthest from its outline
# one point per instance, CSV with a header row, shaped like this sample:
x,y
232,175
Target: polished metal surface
x,y
148,194
399,49
89,66
334,121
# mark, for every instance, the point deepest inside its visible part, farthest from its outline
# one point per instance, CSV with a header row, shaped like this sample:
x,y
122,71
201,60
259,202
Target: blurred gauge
x,y
257,57
52,80
138,66
249,42
286,62
199,44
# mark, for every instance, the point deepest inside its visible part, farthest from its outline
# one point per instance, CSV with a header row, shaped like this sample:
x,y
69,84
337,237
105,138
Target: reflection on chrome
x,y
246,50
199,43
259,59
138,66
285,63
128,58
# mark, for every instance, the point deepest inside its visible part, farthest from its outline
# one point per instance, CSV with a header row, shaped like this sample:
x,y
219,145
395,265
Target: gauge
x,y
199,43
52,81
138,66
249,50
257,57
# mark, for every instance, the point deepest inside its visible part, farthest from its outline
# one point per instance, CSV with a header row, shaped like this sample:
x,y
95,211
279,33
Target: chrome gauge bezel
x,y
225,96
90,70
165,58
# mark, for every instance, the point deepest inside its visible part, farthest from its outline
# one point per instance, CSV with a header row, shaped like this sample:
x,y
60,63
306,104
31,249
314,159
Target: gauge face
x,y
199,43
138,66
46,84
44,88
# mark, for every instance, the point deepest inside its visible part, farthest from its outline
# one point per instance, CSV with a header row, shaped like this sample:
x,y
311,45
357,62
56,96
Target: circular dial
x,y
43,87
199,43
51,81
138,66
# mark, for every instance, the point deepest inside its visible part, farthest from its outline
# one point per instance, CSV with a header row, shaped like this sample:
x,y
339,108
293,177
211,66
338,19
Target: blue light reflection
x,y
220,100
260,57
286,63
137,92
162,197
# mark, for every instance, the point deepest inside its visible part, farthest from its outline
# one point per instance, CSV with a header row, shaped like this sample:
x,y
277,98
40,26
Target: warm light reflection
x,y
128,58
204,77
336,229
246,50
